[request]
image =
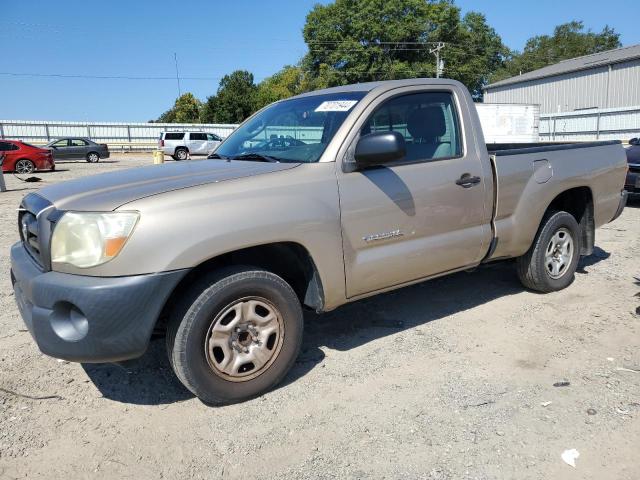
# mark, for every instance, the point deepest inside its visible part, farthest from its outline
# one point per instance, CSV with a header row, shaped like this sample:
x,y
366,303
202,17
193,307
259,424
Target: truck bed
x,y
528,176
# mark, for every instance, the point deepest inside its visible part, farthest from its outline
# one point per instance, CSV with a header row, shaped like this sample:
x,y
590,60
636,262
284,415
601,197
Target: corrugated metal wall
x,y
124,136
595,88
624,89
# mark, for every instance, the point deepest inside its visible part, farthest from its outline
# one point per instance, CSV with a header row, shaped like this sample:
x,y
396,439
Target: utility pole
x,y
439,63
175,59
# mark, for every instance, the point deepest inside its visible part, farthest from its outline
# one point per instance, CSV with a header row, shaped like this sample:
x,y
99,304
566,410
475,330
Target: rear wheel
x,y
235,334
93,157
551,262
24,166
181,154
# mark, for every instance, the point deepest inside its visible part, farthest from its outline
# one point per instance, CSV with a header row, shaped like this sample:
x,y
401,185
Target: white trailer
x,y
509,123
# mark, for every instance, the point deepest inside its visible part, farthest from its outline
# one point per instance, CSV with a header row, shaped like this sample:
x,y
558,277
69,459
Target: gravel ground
x,y
450,379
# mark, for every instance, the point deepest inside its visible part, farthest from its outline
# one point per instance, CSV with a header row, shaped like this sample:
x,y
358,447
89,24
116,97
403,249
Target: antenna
x,y
175,59
439,62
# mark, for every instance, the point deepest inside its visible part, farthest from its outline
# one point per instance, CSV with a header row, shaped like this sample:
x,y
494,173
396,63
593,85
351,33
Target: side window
x,y
428,122
4,146
78,142
198,136
213,138
61,143
173,136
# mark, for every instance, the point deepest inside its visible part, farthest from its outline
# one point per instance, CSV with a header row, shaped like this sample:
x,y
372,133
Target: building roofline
x,y
586,62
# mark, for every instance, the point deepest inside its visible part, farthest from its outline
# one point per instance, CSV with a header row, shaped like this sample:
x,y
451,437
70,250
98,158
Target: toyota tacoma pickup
x,y
388,184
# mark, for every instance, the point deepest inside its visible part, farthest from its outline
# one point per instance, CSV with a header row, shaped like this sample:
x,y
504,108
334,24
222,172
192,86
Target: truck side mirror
x,y
634,141
378,148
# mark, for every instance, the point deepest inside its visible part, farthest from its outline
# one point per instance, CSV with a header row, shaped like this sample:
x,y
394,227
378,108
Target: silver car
x,y
78,148
179,145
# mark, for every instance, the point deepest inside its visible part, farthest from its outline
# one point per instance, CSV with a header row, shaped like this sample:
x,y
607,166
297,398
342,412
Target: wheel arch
x,y
289,260
577,201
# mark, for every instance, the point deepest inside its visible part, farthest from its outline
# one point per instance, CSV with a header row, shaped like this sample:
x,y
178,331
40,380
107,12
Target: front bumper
x,y
89,319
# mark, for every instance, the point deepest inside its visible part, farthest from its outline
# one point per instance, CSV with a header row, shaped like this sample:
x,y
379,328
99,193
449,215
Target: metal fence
x,y
594,124
119,136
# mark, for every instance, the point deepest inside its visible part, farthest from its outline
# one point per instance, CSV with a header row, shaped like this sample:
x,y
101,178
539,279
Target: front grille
x,y
35,228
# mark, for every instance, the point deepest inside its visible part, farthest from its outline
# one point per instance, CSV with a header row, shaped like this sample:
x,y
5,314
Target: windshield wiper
x,y
256,156
217,156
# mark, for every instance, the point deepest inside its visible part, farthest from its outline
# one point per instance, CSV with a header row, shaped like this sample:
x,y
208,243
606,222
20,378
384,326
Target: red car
x,y
21,157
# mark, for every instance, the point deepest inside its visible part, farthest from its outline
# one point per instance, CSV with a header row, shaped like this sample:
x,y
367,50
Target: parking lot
x,y
449,379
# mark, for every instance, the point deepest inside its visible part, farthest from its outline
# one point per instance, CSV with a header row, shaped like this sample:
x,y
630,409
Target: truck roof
x,y
385,84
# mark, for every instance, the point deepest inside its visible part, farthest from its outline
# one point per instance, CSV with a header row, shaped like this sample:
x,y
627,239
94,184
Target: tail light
x,y
161,143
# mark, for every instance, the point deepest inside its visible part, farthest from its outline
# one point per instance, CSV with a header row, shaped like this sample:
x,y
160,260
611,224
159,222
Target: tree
x,y
362,40
569,40
185,110
234,101
291,80
283,84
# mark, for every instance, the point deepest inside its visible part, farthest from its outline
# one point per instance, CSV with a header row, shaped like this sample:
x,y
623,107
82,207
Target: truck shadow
x,y
149,380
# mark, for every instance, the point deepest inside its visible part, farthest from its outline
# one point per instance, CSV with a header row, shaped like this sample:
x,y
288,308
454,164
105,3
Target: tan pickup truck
x,y
314,201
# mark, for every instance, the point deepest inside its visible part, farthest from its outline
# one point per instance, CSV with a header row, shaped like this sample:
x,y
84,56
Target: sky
x,y
138,38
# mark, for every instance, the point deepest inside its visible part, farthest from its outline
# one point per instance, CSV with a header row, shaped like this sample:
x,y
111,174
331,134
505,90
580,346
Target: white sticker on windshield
x,y
336,106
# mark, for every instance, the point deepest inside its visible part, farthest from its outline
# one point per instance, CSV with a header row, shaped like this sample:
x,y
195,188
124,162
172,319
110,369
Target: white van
x,y
182,144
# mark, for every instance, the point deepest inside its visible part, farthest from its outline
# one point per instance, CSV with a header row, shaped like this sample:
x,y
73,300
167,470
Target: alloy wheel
x,y
24,166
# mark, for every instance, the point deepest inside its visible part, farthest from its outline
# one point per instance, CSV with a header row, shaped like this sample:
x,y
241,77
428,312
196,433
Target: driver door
x,y
410,220
212,142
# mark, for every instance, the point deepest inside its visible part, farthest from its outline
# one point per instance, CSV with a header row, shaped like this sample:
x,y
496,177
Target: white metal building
x,y
603,80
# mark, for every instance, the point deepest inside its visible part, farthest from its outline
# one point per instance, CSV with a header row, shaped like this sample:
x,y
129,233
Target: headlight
x,y
89,239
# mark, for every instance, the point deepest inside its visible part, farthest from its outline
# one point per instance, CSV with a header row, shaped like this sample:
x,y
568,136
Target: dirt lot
x,y
450,379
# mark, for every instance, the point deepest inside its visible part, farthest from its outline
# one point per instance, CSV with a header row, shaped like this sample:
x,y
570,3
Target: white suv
x,y
182,144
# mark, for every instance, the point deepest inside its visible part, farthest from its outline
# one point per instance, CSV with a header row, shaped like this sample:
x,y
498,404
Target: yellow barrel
x,y
158,157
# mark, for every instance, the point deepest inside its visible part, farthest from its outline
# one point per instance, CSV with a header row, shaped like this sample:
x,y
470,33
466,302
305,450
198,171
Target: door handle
x,y
467,180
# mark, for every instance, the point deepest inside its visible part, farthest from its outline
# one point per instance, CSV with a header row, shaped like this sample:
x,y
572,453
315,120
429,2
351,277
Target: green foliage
x,y
352,41
185,110
234,101
362,40
283,84
569,40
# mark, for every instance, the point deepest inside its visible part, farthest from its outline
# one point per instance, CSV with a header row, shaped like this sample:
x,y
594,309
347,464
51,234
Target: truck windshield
x,y
296,130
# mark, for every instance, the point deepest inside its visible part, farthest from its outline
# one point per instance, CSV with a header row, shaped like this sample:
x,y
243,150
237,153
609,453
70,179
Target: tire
x,y
181,154
93,157
550,265
210,342
24,166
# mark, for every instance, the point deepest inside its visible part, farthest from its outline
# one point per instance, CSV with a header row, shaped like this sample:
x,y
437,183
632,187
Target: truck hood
x,y
109,191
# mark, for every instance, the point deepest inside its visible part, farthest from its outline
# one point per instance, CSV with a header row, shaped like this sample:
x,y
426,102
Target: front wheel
x,y
235,334
551,262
